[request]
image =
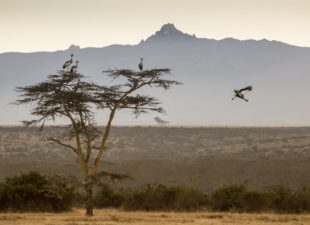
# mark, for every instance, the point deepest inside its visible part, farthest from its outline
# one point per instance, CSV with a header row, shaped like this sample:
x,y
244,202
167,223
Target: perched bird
x,y
141,64
73,68
68,63
239,93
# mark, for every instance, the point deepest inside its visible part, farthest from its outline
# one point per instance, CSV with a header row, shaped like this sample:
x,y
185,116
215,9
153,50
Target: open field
x,y
116,217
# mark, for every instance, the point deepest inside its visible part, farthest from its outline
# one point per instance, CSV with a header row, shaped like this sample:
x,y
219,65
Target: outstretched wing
x,y
248,88
160,121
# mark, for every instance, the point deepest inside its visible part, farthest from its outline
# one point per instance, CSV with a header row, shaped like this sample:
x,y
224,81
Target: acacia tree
x,y
68,95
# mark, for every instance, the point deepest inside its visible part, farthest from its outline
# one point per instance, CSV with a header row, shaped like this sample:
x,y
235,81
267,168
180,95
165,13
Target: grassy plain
x,y
117,217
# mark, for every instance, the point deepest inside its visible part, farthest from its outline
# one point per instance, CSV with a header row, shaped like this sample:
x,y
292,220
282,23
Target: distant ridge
x,y
209,69
169,33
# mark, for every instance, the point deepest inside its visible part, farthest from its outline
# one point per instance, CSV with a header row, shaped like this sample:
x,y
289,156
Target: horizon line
x,y
169,126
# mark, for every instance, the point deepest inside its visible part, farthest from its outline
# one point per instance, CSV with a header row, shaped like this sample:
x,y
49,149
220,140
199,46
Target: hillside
x,y
204,158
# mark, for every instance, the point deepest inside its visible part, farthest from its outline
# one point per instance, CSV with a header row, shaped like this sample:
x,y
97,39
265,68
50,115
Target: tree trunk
x,y
89,198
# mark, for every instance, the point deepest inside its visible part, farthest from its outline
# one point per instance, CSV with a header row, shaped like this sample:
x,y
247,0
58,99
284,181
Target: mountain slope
x,y
209,69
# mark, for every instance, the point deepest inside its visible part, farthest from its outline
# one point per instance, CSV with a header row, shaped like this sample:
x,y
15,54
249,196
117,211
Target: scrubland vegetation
x,y
264,169
33,192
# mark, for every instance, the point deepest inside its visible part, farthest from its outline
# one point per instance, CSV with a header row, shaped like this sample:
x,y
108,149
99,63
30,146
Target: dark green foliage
x,y
277,199
285,200
35,192
228,198
107,197
254,201
280,198
231,198
302,200
38,193
159,197
3,197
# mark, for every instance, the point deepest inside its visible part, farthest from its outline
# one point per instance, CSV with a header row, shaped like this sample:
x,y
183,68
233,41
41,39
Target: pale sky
x,y
49,25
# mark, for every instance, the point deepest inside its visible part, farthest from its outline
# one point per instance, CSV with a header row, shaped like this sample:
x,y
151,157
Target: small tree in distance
x,y
68,95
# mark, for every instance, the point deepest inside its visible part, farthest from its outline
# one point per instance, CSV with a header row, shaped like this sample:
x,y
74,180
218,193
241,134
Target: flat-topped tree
x,y
68,95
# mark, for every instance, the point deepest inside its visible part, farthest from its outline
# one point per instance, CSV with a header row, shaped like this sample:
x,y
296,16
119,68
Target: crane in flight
x,y
239,93
160,121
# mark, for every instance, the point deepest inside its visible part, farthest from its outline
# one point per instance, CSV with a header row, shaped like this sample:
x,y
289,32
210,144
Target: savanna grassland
x,y
117,217
201,158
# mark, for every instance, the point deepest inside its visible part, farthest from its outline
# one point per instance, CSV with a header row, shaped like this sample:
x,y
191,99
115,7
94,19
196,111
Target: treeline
x,y
39,193
230,198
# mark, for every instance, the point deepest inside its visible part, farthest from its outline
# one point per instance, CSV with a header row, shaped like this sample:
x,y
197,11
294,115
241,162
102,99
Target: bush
x,y
228,198
278,199
254,201
161,198
35,192
107,197
302,200
3,197
285,200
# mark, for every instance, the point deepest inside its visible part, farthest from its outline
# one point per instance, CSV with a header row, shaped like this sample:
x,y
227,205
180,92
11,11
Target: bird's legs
x,y
235,96
240,98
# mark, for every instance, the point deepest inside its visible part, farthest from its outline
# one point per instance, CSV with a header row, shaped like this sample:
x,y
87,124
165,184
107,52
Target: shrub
x,y
3,197
254,201
162,198
228,198
302,200
279,197
107,197
35,192
285,200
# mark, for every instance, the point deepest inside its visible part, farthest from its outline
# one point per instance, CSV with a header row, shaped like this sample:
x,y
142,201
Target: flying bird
x,y
239,93
160,121
141,64
68,63
73,68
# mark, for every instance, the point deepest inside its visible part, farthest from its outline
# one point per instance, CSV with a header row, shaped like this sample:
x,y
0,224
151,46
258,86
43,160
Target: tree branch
x,y
50,138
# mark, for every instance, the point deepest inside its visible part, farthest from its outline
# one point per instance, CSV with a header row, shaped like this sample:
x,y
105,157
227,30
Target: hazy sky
x,y
40,25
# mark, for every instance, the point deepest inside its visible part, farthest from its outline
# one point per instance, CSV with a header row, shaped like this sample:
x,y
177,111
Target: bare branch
x,y
113,176
50,138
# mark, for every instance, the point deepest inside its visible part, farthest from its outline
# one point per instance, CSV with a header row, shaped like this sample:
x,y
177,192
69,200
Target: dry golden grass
x,y
116,217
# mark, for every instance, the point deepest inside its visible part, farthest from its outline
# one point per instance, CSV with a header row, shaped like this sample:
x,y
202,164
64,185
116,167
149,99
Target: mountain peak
x,y
74,47
169,28
168,32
